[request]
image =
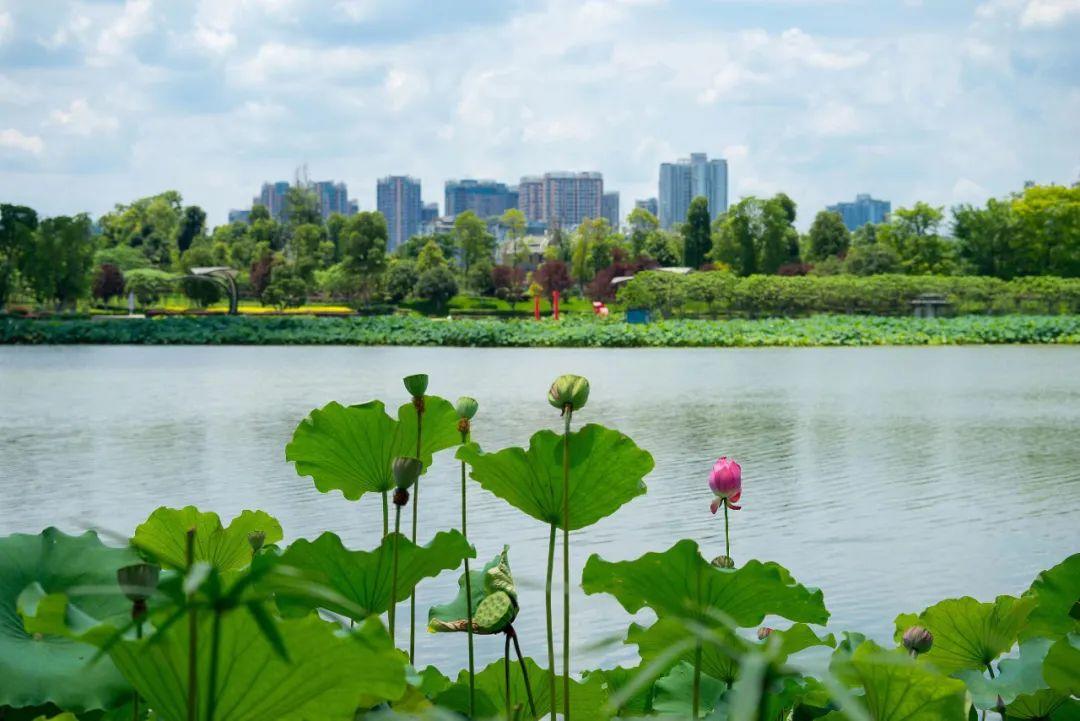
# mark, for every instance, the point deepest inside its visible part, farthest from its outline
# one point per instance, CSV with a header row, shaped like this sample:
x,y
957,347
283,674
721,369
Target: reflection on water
x,y
890,477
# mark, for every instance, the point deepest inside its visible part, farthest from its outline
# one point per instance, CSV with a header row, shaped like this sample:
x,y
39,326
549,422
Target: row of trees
x,y
149,247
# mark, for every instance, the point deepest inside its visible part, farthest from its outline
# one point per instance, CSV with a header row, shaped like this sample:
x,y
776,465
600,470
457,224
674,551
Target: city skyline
x,y
105,102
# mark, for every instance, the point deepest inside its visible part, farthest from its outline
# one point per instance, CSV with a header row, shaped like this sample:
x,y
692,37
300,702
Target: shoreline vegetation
x,y
816,330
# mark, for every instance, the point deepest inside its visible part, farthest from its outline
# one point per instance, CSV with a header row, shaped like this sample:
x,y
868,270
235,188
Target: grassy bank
x,y
816,330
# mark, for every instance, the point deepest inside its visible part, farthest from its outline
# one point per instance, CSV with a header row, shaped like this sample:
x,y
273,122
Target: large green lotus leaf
x,y
967,633
40,669
616,679
1061,668
606,471
588,698
1015,676
1043,705
660,640
840,662
352,448
1056,592
673,694
494,577
327,673
898,689
680,583
164,536
362,579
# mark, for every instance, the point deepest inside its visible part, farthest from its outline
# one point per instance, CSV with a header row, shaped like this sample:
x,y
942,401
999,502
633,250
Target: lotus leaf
x,y
1043,705
1061,669
362,579
899,689
164,536
1057,593
351,448
680,583
606,471
1015,676
665,638
40,669
639,703
673,693
967,633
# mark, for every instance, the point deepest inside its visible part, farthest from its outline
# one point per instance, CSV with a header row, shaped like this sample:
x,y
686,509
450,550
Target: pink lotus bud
x,y
763,633
726,483
918,640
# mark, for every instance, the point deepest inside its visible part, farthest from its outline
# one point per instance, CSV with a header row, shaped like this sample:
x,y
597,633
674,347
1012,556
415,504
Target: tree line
x,y
150,246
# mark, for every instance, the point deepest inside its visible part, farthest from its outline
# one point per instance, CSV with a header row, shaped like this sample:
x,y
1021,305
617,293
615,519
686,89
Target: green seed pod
x,y
416,385
406,472
569,391
466,407
723,562
495,613
139,581
256,539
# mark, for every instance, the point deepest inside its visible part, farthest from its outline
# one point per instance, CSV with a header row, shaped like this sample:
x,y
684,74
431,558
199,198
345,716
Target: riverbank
x,y
833,330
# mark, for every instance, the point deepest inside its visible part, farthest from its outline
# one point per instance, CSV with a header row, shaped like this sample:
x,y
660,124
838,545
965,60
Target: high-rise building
x,y
486,198
648,204
429,212
239,216
273,196
864,210
398,199
562,199
333,197
686,179
610,209
531,198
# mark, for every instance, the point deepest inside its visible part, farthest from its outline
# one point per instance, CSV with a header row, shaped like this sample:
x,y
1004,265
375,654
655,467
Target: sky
x,y
947,101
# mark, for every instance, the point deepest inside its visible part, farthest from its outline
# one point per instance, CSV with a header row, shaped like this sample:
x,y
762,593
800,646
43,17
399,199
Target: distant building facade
x,y
561,199
486,198
333,197
609,208
649,204
531,198
686,179
398,199
864,210
273,196
239,216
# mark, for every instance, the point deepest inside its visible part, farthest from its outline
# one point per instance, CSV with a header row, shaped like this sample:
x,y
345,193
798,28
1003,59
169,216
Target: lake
x,y
889,477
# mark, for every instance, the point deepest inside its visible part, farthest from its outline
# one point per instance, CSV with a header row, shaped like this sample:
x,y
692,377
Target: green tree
x,y
473,239
148,284
643,225
202,291
913,234
737,233
309,250
363,250
411,248
779,241
438,286
401,278
663,247
594,249
514,222
191,226
335,227
302,206
1048,238
872,259
828,236
286,289
149,224
697,238
431,256
17,226
57,266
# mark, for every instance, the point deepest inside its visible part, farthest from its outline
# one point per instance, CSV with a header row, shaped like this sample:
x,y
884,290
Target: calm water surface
x,y
889,477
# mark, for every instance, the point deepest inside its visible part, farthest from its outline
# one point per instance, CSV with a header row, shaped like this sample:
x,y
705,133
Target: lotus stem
x,y
566,565
137,611
468,588
393,576
727,534
550,620
506,673
193,635
697,679
418,403
524,671
215,643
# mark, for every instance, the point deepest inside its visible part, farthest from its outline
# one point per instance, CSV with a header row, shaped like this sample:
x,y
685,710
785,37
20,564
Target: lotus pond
x,y
885,486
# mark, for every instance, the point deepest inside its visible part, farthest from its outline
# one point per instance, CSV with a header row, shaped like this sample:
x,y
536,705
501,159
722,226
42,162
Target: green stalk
x,y
524,671
416,506
393,577
566,567
697,678
468,588
193,635
135,697
506,668
215,643
550,620
727,537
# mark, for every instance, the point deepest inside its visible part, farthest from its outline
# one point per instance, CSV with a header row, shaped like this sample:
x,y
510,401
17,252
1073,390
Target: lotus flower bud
x,y
723,562
918,640
256,539
406,472
139,581
763,633
466,407
569,392
416,385
725,481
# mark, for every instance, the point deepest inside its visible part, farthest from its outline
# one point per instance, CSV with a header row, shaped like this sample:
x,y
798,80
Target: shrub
x,y
437,285
148,284
108,282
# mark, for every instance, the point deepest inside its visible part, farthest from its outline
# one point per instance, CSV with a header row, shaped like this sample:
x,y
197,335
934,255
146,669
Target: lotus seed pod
x,y
723,562
918,640
763,633
139,581
256,539
466,407
569,391
406,472
495,613
416,385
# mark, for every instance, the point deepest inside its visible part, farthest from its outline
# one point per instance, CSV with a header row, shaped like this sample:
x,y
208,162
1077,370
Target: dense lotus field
x,y
193,619
822,330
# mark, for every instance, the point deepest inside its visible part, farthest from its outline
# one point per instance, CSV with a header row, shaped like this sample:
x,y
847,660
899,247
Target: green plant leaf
x,y
616,679
328,671
718,655
606,471
362,579
493,578
967,633
680,583
54,668
164,536
587,698
1056,592
1015,676
1043,705
898,689
673,694
1061,669
351,448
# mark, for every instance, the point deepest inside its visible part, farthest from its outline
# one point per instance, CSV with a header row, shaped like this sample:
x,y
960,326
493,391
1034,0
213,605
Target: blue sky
x,y
103,101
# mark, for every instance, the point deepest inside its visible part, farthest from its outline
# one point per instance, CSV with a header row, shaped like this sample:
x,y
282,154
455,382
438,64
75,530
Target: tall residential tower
x,y
398,199
684,180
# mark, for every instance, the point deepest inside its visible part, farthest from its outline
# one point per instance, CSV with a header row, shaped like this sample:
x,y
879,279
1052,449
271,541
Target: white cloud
x,y
134,20
16,140
80,119
1047,13
6,25
799,46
